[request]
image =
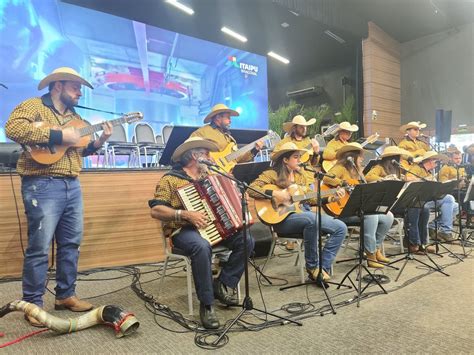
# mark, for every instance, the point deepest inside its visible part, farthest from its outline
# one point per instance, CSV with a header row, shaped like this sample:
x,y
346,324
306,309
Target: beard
x,y
68,100
203,171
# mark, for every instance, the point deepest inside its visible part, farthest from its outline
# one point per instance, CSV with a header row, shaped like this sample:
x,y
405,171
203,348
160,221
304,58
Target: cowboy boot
x,y
380,257
372,261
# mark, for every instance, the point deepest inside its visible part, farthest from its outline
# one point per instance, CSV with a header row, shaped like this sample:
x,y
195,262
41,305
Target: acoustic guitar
x,y
270,212
328,132
335,208
328,164
47,155
226,159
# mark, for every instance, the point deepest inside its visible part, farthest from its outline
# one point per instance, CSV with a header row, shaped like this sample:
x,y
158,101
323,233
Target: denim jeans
x,y
200,251
449,208
417,225
53,208
376,227
307,224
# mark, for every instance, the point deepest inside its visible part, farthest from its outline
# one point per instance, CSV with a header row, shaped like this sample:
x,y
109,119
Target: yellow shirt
x,y
449,172
331,149
421,172
305,143
221,139
341,173
416,147
376,173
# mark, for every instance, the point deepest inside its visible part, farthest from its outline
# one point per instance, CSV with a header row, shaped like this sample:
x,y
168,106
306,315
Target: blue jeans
x,y
53,208
417,225
306,223
200,251
376,227
449,208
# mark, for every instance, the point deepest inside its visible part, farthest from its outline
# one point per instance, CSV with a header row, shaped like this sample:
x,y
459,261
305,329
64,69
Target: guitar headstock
x,y
331,130
272,139
372,138
133,117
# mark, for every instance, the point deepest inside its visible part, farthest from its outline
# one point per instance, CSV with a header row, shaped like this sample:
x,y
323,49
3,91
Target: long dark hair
x,y
389,167
283,173
347,165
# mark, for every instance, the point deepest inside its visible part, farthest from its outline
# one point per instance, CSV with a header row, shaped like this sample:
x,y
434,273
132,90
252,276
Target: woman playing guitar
x,y
347,169
285,175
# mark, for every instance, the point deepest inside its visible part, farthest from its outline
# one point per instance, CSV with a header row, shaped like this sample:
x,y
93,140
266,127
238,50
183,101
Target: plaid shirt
x,y
20,129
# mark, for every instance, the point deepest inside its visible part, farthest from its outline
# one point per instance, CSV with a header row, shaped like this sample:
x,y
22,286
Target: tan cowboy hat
x,y
191,143
393,151
431,154
285,148
412,124
297,120
453,150
219,108
63,73
349,147
347,126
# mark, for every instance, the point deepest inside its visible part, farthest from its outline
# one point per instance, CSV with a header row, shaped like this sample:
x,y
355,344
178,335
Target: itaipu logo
x,y
245,68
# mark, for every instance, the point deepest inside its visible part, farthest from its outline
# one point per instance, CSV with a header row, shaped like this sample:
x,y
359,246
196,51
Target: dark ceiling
x,y
304,41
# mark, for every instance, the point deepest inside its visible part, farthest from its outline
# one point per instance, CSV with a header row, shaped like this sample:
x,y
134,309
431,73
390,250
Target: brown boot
x,y
413,248
313,274
73,304
372,260
427,249
380,257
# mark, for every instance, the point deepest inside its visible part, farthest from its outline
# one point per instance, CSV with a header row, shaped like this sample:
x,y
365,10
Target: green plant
x,y
348,112
283,114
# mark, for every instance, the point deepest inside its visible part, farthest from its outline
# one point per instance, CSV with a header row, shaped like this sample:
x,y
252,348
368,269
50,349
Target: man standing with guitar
x,y
52,193
218,131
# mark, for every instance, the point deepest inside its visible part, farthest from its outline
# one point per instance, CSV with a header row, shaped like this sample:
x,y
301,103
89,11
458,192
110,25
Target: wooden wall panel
x,y
118,229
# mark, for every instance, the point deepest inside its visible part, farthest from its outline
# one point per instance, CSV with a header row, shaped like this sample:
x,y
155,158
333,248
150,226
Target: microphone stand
x,y
247,304
461,203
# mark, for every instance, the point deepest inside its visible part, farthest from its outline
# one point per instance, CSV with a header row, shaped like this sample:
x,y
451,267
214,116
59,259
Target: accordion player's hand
x,y
198,219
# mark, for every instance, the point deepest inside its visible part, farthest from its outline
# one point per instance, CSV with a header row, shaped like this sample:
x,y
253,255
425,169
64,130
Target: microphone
x,y
206,162
424,136
351,160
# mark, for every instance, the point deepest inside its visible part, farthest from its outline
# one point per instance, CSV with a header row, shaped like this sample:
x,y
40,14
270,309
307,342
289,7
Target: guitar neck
x,y
299,198
88,130
246,148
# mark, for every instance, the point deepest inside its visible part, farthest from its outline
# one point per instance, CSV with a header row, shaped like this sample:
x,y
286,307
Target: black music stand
x,y
248,172
370,165
415,195
368,199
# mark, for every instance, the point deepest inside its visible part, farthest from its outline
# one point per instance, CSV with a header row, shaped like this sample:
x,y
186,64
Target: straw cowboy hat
x,y
431,154
191,143
346,126
412,124
285,148
453,150
393,151
219,108
349,147
297,120
63,73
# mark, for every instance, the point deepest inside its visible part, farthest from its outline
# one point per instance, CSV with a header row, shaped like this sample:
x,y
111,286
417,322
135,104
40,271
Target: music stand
x,y
370,165
368,199
415,195
248,172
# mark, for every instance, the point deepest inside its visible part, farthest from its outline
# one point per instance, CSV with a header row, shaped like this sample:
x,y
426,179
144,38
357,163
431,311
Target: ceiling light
x,y
234,34
285,25
180,6
334,36
278,57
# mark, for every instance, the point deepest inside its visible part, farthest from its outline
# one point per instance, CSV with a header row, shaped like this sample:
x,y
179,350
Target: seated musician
x,y
218,131
385,169
411,142
286,173
447,206
450,171
347,169
342,137
181,226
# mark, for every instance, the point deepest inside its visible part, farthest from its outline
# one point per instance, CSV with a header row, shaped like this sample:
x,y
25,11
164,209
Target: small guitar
x,y
270,212
227,158
328,164
335,208
328,132
47,155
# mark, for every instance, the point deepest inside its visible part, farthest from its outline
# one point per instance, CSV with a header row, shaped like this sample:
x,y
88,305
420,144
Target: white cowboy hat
x,y
349,147
191,143
285,148
297,120
219,108
412,124
63,74
346,126
431,154
393,150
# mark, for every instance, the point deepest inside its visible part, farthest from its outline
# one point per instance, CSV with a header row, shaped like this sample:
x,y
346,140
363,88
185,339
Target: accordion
x,y
218,198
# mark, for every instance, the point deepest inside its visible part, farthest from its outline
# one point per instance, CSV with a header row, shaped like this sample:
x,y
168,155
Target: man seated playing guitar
x,y
341,138
218,131
284,176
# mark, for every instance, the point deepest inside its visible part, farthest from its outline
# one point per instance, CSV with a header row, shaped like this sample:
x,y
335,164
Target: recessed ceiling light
x,y
285,25
334,36
234,34
278,57
180,6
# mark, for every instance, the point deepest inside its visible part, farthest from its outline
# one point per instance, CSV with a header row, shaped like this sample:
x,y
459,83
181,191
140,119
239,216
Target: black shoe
x,y
221,293
208,317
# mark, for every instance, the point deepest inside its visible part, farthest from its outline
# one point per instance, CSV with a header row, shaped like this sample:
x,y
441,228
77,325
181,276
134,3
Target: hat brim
x,y
62,77
288,125
401,152
348,148
440,157
408,126
204,144
208,118
276,155
352,128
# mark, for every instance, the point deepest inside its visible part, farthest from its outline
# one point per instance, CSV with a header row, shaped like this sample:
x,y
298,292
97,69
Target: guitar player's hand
x,y
107,131
281,197
71,135
259,145
198,219
315,145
